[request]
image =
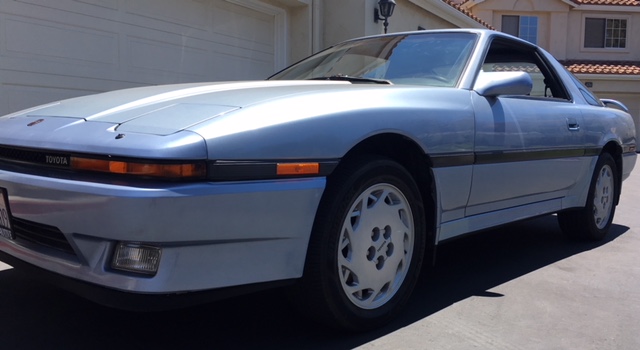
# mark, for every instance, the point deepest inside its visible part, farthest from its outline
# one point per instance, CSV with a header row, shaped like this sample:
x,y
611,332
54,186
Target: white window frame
x,y
605,16
520,16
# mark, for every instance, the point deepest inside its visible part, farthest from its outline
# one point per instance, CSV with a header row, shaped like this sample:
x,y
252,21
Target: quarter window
x,y
525,27
605,33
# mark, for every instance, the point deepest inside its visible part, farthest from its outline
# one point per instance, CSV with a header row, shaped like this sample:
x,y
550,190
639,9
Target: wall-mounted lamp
x,y
385,11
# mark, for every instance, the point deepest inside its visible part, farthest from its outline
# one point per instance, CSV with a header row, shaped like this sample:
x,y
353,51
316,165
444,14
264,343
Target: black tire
x,y
594,220
370,228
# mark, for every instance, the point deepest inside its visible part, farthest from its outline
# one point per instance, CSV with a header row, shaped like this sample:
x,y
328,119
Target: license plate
x,y
6,230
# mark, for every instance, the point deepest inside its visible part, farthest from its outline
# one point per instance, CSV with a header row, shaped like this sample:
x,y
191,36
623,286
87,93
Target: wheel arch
x,y
411,156
375,160
615,150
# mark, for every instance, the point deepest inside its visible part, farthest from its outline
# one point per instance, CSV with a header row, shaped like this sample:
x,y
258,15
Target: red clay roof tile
x,y
468,13
608,2
603,67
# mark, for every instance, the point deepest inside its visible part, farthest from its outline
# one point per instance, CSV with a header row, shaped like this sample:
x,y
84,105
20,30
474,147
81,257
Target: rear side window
x,y
588,95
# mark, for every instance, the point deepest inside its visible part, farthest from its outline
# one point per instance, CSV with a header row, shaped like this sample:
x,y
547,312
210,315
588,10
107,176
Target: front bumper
x,y
135,301
212,235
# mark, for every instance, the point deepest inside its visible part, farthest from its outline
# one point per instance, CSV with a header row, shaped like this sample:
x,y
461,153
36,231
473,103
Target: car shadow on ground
x,y
37,316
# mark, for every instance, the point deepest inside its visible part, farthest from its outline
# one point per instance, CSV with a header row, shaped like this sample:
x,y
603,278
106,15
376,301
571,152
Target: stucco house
x,y
50,50
598,40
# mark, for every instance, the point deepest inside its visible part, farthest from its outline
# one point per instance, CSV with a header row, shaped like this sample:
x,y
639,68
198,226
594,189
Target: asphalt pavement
x,y
523,286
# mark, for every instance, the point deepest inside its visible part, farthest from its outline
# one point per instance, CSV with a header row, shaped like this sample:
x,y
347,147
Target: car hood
x,y
166,109
143,122
214,120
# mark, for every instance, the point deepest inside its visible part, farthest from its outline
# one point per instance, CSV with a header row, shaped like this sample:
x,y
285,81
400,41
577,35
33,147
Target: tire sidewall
x,y
592,228
340,197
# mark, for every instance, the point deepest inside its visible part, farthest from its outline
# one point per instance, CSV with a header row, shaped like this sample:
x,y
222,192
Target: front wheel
x,y
367,246
594,220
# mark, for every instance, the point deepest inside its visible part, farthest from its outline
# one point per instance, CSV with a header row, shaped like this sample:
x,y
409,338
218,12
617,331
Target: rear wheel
x,y
366,248
594,220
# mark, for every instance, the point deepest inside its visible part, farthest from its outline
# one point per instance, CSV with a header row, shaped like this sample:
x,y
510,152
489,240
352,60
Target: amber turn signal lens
x,y
167,171
298,168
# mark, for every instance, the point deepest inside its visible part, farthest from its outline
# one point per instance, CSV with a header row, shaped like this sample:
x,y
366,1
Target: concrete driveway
x,y
526,287
523,286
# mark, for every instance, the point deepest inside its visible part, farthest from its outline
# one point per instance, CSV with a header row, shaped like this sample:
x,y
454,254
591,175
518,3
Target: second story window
x,y
525,27
605,33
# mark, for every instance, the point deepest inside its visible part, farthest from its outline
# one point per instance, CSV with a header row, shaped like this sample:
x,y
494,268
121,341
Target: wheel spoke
x,y
603,197
375,246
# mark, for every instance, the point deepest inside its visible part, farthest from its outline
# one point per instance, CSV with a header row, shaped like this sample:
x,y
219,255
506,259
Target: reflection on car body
x,y
335,175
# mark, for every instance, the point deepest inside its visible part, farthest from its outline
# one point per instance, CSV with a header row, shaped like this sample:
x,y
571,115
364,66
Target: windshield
x,y
431,59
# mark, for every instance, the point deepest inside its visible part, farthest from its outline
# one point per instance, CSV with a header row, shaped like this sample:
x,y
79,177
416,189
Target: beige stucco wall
x,y
575,35
552,16
312,25
632,101
561,26
625,89
342,19
410,16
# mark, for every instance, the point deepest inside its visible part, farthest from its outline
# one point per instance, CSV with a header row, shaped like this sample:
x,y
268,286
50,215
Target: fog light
x,y
135,257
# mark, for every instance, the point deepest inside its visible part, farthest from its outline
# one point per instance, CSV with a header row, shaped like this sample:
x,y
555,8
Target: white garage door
x,y
51,50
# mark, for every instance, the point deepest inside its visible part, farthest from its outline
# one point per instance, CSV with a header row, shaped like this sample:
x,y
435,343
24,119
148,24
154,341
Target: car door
x,y
527,148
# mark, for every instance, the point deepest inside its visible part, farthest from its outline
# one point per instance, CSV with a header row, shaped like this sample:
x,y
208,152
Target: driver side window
x,y
505,56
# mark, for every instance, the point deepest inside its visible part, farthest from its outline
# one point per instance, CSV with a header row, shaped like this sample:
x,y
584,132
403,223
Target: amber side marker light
x,y
167,171
298,168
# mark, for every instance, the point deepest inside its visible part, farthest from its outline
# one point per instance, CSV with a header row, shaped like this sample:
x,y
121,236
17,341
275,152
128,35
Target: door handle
x,y
572,124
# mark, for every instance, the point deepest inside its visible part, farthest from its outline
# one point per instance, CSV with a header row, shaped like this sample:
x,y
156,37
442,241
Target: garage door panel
x,y
109,4
102,9
51,40
176,59
21,97
232,53
81,85
247,27
20,90
224,43
68,48
238,68
185,12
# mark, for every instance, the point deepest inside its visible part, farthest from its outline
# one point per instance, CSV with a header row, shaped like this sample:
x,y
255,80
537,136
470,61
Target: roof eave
x,y
607,8
449,13
471,3
570,3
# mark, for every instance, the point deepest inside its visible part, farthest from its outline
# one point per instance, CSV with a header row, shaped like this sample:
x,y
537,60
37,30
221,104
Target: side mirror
x,y
614,104
492,84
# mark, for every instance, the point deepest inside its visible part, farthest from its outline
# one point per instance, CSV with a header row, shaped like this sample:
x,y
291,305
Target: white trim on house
x,y
448,13
607,8
570,3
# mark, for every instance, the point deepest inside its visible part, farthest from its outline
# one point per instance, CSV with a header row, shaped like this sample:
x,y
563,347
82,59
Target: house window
x,y
605,33
525,27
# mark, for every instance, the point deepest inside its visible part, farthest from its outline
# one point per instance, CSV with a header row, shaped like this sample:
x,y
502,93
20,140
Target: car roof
x,y
484,33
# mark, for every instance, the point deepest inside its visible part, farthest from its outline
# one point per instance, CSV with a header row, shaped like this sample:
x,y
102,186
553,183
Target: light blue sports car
x,y
336,176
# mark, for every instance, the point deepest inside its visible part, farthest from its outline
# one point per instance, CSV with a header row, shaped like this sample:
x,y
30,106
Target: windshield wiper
x,y
354,79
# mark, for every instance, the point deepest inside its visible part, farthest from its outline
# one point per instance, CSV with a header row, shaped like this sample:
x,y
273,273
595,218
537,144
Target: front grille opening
x,y
45,235
21,155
